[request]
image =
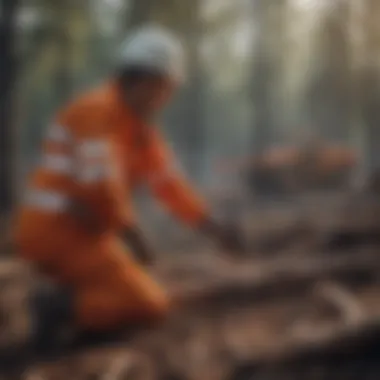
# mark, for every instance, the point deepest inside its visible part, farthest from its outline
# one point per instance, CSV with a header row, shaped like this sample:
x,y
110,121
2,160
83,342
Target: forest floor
x,y
295,309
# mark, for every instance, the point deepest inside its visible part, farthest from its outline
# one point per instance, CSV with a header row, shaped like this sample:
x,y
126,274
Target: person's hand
x,y
229,237
146,256
231,240
139,246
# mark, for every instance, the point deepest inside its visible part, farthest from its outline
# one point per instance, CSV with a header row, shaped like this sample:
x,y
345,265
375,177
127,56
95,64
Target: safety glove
x,y
139,246
228,236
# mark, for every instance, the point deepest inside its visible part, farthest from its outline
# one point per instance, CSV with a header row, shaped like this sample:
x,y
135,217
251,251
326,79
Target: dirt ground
x,y
300,310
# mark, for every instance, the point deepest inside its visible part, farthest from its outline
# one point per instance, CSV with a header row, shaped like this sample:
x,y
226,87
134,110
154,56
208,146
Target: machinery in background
x,y
290,170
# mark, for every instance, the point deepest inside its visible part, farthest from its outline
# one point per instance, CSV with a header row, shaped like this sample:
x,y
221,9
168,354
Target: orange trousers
x,y
111,289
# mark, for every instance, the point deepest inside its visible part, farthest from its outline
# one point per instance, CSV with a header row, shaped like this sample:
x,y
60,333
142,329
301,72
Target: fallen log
x,y
276,280
339,343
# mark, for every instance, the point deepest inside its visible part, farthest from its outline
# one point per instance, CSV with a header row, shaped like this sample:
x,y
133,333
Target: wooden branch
x,y
348,306
294,277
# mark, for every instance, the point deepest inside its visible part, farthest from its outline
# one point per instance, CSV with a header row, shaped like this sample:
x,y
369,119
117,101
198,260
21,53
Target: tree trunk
x,y
327,96
194,132
369,85
266,72
140,13
7,82
63,71
358,132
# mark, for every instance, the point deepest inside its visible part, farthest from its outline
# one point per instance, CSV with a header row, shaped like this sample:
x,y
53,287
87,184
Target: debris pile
x,y
303,312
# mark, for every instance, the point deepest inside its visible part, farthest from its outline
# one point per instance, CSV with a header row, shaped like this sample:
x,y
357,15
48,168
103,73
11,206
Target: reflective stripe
x,y
47,200
95,161
90,149
94,173
58,163
59,134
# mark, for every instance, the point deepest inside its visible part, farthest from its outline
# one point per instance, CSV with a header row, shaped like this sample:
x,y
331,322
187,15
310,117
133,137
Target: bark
x,y
140,13
7,83
266,72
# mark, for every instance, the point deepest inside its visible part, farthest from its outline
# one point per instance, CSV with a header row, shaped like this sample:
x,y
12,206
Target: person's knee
x,y
159,307
114,316
98,310
98,313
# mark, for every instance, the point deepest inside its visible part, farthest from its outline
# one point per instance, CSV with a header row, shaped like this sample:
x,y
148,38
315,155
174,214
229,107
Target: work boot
x,y
51,313
91,339
118,335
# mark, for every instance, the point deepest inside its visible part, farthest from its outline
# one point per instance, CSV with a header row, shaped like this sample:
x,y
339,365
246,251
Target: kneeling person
x,y
78,201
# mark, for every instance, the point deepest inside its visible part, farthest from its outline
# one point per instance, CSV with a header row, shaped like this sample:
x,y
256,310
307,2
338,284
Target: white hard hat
x,y
153,47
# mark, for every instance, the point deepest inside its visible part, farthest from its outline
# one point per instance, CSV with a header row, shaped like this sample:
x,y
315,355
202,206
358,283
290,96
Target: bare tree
x,y
9,10
193,131
369,85
140,12
266,70
327,95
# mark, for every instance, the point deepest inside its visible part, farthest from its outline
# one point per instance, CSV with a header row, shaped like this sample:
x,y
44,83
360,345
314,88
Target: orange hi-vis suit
x,y
95,152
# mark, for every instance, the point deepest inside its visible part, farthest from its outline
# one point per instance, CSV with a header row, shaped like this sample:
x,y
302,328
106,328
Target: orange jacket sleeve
x,y
169,185
100,184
